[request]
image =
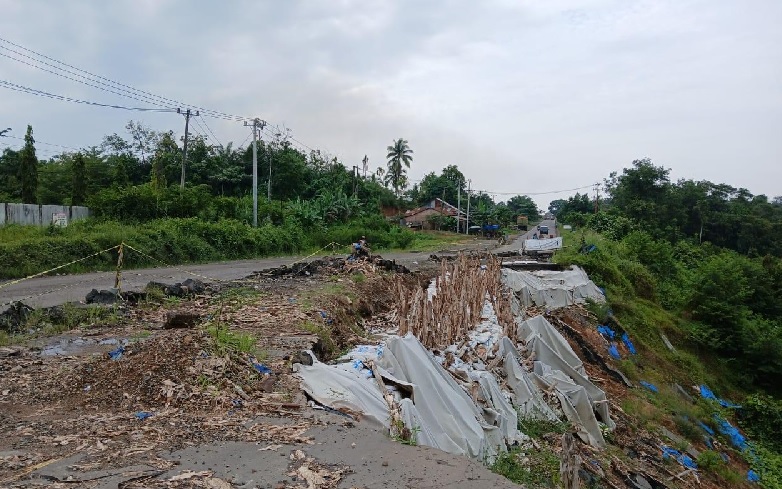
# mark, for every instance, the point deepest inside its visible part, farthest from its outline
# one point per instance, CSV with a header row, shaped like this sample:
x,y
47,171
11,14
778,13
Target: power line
x,y
210,132
124,90
82,81
41,93
116,85
45,143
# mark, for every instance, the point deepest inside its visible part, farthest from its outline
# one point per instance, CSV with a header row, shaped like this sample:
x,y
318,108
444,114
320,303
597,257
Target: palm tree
x,y
399,156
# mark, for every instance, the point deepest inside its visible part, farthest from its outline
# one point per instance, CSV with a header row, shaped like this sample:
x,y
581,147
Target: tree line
x,y
711,253
136,177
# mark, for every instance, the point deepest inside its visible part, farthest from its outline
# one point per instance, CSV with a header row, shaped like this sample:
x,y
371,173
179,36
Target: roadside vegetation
x,y
131,185
697,264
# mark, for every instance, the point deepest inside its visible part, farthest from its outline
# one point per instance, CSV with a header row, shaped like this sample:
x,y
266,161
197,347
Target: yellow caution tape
x,y
8,284
171,266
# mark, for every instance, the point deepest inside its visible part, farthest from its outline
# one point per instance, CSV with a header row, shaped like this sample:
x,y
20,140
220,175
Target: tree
x,y
555,206
79,182
9,173
144,140
399,157
525,206
28,169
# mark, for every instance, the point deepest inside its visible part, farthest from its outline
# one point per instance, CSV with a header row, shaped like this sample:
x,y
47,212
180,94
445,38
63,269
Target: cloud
x,y
522,95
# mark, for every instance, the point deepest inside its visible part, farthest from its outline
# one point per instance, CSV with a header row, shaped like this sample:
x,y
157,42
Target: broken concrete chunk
x,y
181,320
109,296
14,318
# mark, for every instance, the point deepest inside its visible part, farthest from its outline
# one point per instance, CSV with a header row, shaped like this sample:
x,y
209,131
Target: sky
x,y
525,97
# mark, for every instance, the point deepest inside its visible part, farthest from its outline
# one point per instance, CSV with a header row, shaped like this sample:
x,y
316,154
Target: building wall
x,y
39,215
422,218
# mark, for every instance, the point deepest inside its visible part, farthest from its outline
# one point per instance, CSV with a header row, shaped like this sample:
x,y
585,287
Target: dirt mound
x,y
174,369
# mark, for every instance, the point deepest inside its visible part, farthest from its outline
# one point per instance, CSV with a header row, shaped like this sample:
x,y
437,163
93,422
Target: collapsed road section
x,y
471,353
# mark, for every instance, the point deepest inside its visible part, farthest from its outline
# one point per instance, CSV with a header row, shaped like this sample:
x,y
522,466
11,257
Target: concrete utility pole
x,y
467,224
597,197
269,183
365,162
458,205
355,178
255,125
184,151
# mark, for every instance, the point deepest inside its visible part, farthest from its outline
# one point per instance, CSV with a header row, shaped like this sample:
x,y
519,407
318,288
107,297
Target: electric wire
x,y
41,93
126,90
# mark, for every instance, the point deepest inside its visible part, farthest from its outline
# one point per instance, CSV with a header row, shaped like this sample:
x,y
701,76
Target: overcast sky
x,y
524,96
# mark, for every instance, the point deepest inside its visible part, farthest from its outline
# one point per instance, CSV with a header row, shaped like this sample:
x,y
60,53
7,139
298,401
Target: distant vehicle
x,y
522,223
543,230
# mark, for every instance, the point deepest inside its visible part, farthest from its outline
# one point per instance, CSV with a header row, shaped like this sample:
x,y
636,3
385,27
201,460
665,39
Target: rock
x,y
640,482
179,289
9,352
14,318
303,358
109,296
181,320
194,286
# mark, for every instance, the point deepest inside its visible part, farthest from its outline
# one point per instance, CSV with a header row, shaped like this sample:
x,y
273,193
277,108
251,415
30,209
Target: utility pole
x,y
184,151
467,224
355,178
269,182
365,161
458,205
255,125
597,196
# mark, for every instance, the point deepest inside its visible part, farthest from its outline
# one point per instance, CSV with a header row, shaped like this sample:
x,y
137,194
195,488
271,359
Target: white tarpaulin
x,y
464,408
542,244
551,289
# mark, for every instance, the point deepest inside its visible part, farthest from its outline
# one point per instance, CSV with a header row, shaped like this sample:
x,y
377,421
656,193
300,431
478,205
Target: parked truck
x,y
522,222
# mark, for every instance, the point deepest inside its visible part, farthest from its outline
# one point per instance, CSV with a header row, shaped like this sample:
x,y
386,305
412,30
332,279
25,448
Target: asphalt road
x,y
49,291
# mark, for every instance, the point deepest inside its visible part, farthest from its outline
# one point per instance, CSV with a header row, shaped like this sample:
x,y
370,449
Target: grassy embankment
x,y
636,292
25,250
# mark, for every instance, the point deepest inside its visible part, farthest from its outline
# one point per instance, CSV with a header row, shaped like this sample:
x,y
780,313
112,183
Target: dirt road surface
x,y
372,460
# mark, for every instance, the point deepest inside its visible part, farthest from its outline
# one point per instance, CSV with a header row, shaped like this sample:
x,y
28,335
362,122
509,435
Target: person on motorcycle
x,y
361,248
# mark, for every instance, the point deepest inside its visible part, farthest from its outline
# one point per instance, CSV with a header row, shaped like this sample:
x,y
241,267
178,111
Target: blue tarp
x,y
753,476
261,368
628,343
606,331
706,393
142,415
117,353
650,386
731,432
614,352
683,459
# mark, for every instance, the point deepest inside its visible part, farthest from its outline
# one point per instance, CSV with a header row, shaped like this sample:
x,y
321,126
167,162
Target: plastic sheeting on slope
x,y
437,406
542,244
438,409
542,338
557,366
552,289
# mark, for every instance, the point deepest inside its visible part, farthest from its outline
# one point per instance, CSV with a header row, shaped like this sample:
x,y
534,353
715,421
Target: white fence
x,y
40,215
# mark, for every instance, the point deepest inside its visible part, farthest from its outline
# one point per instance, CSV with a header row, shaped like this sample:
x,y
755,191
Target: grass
x,y
227,341
178,241
324,335
536,467
5,338
536,428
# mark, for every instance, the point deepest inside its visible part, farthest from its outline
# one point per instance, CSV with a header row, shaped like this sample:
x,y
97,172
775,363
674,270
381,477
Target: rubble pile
x,y
469,363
